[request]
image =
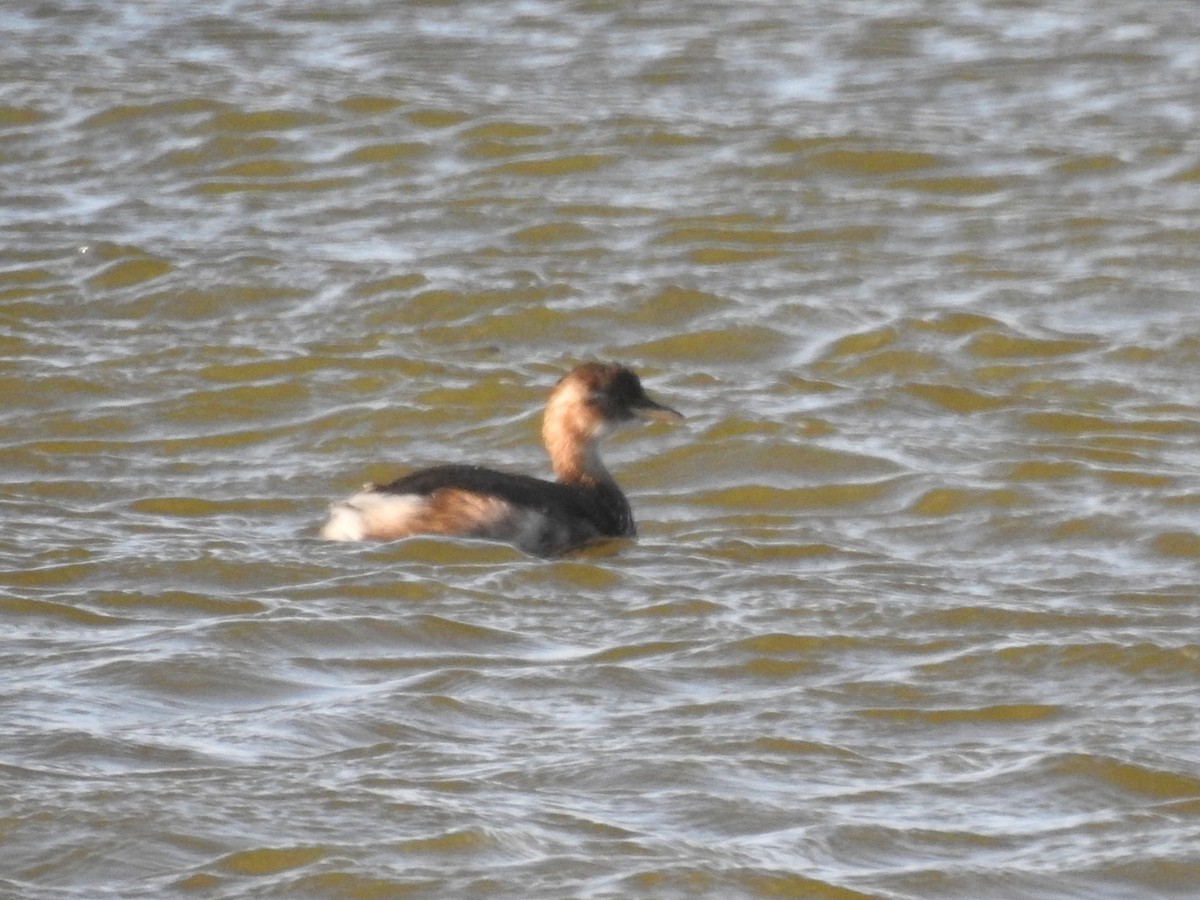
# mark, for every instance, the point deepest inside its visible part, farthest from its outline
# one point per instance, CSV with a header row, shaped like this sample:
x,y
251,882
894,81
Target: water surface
x,y
913,609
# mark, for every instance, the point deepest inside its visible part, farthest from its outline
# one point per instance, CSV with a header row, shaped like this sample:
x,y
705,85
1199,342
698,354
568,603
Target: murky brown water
x,y
914,609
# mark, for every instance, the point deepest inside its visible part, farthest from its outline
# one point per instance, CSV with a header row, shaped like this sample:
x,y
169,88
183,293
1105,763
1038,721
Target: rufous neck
x,y
571,432
574,457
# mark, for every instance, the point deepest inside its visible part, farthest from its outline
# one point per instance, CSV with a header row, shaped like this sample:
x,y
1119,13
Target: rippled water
x,y
914,609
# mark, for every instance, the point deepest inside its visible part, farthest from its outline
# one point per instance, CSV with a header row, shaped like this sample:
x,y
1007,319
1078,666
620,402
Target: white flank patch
x,y
372,515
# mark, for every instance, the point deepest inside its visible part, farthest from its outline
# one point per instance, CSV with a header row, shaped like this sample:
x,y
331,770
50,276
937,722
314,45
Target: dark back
x,y
602,506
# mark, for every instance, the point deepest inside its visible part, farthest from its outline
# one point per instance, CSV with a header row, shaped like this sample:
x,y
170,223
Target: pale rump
x,y
373,515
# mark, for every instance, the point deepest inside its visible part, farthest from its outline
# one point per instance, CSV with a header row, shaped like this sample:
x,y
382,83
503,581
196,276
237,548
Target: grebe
x,y
541,517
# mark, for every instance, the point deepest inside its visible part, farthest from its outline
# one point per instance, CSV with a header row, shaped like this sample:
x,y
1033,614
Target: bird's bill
x,y
656,412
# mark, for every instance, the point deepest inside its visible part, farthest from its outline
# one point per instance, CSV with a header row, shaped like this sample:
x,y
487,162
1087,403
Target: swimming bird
x,y
545,518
